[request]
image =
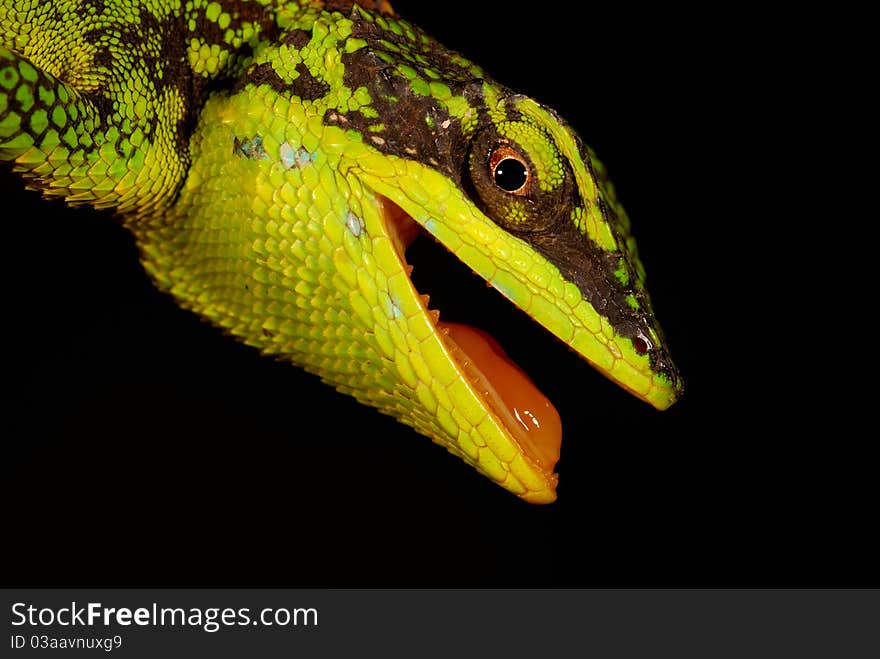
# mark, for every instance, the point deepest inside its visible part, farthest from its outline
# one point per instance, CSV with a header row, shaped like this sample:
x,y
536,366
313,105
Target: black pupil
x,y
510,174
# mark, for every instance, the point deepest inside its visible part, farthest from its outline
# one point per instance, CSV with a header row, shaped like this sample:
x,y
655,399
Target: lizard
x,y
274,160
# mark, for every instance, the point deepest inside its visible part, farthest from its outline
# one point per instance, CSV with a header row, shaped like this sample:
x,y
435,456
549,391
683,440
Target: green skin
x,y
260,153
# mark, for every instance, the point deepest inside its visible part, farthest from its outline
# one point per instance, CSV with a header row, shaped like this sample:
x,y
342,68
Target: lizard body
x,y
275,159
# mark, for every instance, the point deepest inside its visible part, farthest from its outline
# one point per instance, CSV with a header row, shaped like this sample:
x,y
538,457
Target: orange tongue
x,y
532,419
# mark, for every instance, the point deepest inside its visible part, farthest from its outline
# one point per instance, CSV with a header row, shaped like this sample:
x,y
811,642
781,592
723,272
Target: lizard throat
x,y
529,417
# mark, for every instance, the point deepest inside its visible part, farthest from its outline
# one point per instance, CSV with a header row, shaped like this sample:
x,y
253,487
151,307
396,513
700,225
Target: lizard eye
x,y
501,176
509,171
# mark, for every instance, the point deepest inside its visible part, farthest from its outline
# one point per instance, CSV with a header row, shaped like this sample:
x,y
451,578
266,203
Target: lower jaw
x,y
505,389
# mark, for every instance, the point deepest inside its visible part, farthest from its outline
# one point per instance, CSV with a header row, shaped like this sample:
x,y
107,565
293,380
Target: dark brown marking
x,y
306,86
298,38
592,270
439,142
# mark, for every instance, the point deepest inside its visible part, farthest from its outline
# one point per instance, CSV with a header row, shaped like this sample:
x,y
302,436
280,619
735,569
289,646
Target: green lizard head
x,y
275,160
532,212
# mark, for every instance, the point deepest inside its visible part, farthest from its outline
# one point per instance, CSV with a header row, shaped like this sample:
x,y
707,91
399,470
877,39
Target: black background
x,y
145,448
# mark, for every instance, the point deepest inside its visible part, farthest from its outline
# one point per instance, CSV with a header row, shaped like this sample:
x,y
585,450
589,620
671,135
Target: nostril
x,y
642,344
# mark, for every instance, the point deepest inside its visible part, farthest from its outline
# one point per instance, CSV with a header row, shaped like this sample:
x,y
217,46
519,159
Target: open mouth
x,y
529,417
